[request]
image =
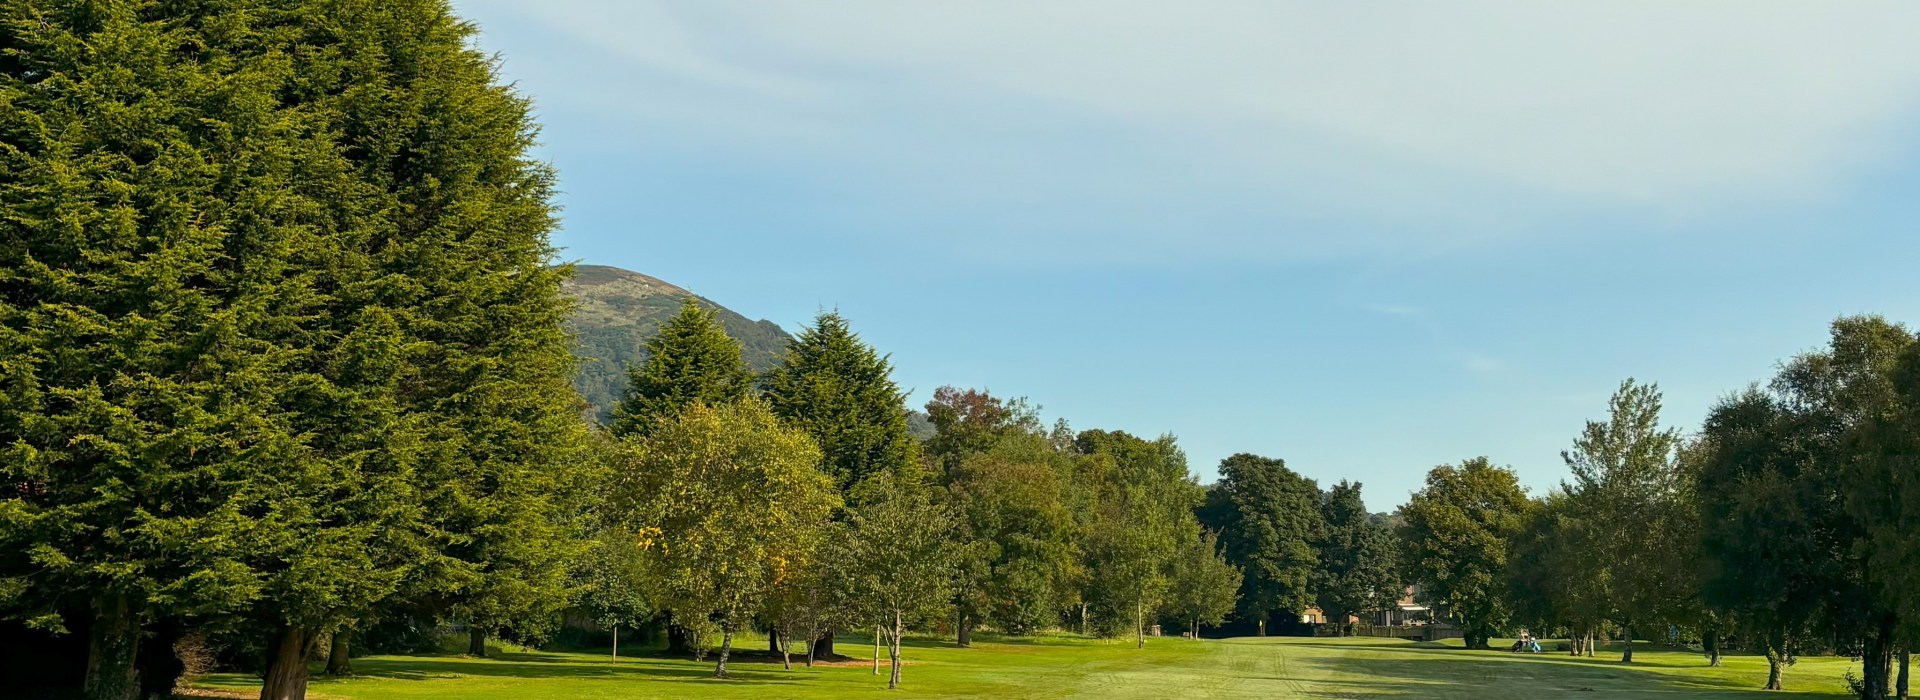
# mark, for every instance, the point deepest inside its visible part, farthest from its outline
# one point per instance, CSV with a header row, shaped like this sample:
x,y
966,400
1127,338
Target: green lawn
x,y
1273,667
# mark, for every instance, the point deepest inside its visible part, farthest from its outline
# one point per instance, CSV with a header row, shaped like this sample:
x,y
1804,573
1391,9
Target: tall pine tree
x,y
690,360
840,391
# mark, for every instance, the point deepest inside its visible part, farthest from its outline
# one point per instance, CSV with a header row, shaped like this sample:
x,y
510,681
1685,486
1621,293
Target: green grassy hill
x,y
620,309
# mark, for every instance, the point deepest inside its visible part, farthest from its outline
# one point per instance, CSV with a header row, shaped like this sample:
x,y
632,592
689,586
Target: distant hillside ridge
x,y
620,309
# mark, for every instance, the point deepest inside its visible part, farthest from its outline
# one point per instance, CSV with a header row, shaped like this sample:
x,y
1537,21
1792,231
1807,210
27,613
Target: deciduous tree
x,y
1455,534
716,495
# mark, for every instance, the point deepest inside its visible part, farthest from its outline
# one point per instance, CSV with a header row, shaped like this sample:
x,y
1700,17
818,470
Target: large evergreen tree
x,y
150,205
690,360
841,391
289,263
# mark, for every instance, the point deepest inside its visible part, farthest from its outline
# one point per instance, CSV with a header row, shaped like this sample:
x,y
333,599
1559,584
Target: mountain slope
x,y
620,309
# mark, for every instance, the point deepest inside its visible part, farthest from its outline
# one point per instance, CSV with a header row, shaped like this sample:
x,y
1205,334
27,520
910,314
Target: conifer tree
x,y
156,199
841,392
690,360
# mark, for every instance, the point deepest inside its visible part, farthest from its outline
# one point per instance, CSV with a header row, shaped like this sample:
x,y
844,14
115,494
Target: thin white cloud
x,y
1394,309
1471,114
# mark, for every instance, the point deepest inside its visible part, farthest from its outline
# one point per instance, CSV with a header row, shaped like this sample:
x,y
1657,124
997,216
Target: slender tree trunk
x,y
339,661
160,666
893,651
616,643
286,677
1710,639
876,650
1083,619
1626,655
786,643
1900,681
726,647
112,649
1590,651
811,641
476,643
1140,624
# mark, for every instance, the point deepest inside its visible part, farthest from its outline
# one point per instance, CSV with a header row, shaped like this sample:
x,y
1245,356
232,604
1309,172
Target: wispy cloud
x,y
1482,364
1394,309
1232,129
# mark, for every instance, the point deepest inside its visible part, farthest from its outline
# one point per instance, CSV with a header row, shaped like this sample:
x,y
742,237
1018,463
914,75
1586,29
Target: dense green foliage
x,y
1270,519
282,329
1456,533
721,500
691,360
1359,567
841,392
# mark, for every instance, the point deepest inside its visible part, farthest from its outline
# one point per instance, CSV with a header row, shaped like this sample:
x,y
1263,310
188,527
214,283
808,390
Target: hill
x,y
620,309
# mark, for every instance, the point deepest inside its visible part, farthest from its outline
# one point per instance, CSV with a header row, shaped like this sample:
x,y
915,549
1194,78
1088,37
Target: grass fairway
x,y
1273,667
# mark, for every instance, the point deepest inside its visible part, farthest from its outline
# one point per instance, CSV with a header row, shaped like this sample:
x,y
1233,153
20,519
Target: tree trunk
x,y
786,659
876,650
1876,660
1900,681
1083,619
1626,655
112,647
810,644
893,651
339,663
476,643
773,639
726,647
160,666
616,644
1263,625
1140,624
1710,639
1776,660
825,645
1589,645
286,677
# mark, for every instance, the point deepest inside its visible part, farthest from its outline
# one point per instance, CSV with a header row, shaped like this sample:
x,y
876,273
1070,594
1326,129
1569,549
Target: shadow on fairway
x,y
510,665
1423,671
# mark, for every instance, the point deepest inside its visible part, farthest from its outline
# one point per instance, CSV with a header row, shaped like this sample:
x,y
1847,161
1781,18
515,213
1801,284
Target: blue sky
x,y
1365,237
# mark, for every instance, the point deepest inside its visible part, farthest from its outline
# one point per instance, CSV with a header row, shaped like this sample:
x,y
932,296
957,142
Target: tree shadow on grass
x,y
538,666
1490,677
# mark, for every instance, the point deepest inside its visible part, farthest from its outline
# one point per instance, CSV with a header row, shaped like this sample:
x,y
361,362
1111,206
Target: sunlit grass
x,y
1061,667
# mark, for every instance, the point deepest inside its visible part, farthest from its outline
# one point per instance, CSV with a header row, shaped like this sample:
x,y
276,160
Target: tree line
x,y
1783,525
